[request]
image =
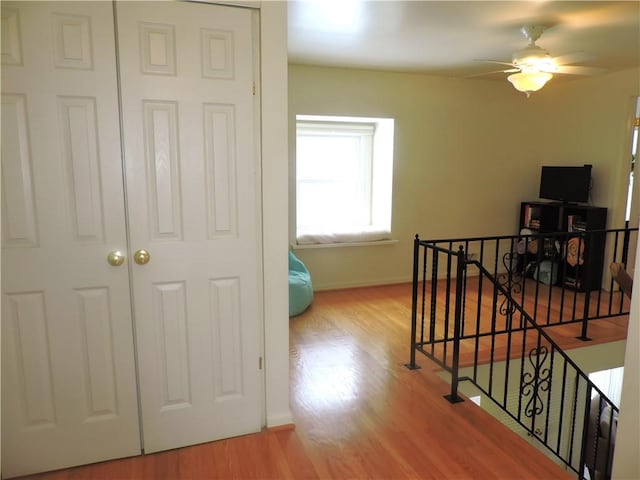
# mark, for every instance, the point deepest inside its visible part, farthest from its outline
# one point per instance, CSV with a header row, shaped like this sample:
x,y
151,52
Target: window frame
x,y
376,137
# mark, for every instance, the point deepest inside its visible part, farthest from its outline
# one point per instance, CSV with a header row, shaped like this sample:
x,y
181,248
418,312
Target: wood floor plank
x,y
359,413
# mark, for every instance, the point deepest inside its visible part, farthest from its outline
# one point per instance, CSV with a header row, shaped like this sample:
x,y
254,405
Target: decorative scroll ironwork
x,y
511,281
535,383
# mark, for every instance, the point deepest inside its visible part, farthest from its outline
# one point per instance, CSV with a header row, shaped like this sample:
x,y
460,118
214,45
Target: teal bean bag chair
x,y
300,287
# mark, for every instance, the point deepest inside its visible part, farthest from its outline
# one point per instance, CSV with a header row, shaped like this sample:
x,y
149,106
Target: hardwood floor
x,y
359,413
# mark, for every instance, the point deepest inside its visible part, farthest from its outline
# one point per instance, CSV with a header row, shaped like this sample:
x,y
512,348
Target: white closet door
x,y
68,379
193,199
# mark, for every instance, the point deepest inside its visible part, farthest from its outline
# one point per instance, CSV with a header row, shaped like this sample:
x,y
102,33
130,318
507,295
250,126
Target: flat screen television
x,y
565,184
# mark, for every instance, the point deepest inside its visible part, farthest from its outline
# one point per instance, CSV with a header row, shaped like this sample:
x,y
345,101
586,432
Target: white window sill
x,y
343,244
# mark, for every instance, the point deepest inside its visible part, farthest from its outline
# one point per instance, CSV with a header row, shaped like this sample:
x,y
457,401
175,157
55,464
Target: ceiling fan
x,y
532,67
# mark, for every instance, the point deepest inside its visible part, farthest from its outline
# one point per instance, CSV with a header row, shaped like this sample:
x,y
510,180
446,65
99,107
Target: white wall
x,y
274,203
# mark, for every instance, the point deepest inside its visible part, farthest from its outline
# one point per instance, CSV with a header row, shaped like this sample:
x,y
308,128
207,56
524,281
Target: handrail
x,y
584,277
535,234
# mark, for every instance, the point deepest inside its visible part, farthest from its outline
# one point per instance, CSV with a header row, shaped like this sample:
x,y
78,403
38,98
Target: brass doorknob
x,y
115,258
141,257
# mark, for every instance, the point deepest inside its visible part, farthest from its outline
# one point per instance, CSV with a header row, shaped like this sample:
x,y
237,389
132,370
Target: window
x,y
344,173
634,156
610,382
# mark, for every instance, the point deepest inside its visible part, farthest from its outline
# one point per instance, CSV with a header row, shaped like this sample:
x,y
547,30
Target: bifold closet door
x,y
189,120
68,377
189,123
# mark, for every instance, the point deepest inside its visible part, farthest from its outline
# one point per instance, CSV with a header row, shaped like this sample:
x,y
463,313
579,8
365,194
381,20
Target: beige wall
x,y
466,153
457,172
590,121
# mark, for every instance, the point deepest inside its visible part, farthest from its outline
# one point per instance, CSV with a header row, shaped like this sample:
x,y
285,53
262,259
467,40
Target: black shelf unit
x,y
549,217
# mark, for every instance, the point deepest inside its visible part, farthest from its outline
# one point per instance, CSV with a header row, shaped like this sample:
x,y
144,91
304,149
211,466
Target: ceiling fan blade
x,y
576,70
511,70
576,57
495,61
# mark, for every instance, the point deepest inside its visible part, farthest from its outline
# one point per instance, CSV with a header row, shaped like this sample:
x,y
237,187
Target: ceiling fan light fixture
x,y
534,58
548,65
528,82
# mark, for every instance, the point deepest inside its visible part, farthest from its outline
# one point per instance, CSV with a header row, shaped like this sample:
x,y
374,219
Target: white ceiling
x,y
446,38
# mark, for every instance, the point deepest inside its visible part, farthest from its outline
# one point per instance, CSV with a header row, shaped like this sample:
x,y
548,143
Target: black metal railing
x,y
481,311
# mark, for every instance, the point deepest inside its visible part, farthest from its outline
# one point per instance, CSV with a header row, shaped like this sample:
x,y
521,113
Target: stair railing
x,y
533,381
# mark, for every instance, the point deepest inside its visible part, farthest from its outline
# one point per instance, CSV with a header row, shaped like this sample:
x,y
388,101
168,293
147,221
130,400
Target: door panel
x,y
19,228
68,377
193,190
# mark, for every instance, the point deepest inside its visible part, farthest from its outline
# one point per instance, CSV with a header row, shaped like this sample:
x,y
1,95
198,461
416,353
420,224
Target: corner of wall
x,y
273,53
626,461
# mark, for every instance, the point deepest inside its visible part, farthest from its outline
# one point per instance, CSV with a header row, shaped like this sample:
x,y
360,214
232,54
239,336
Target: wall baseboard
x,y
280,419
366,283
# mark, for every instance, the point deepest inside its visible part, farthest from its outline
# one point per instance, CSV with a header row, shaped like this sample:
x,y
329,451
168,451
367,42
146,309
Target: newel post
x,y
453,397
414,304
